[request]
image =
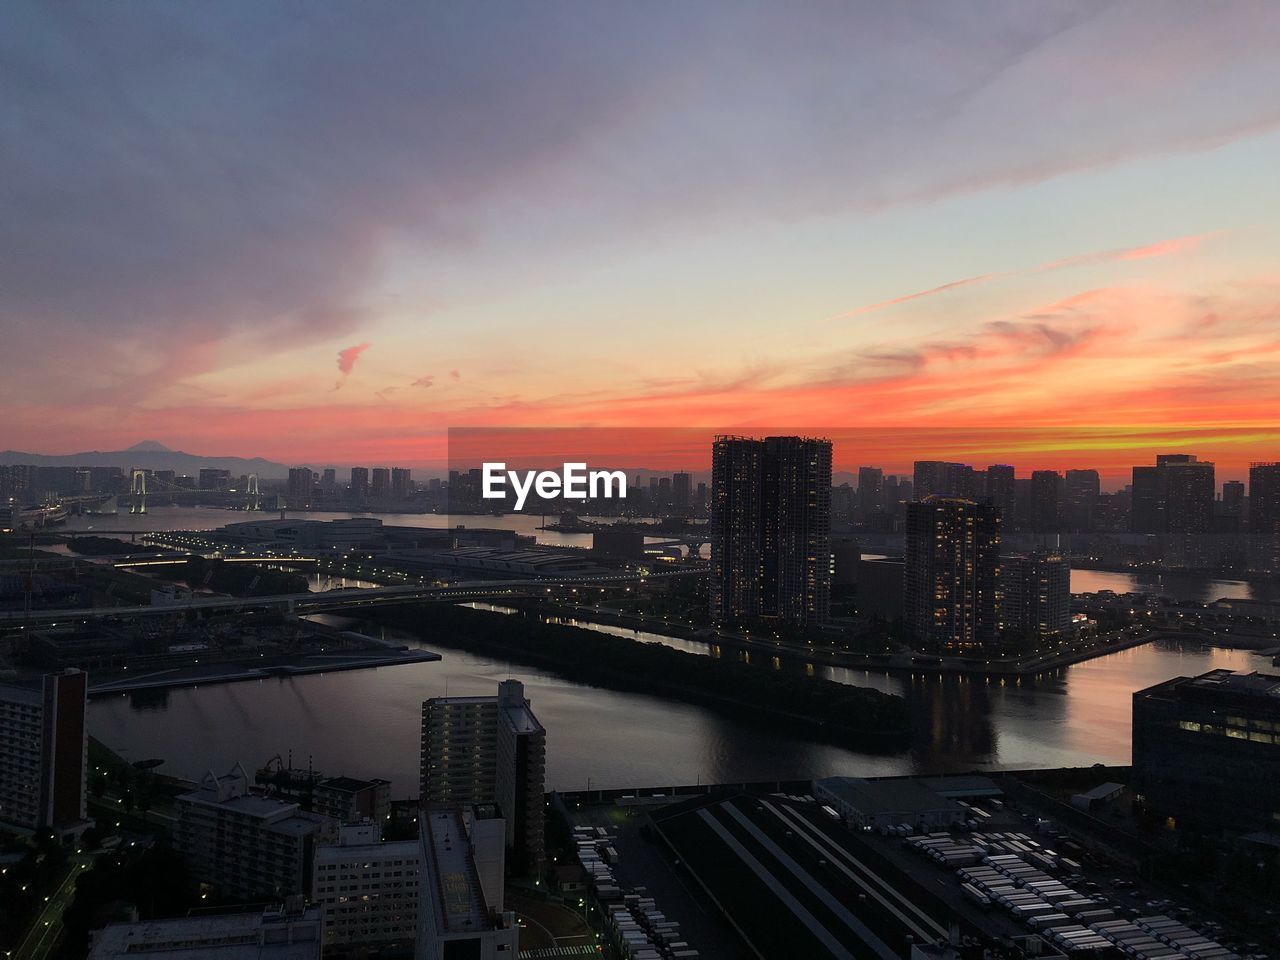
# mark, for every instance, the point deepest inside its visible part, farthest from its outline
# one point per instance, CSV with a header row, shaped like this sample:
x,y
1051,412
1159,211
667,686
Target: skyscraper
x,y
1080,493
870,490
359,483
401,483
1044,501
1001,489
482,750
937,478
1264,517
770,529
301,482
1233,492
381,487
951,573
1174,498
681,485
1189,488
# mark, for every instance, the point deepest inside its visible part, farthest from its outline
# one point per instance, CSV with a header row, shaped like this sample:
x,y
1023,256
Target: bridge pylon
x,y
138,491
252,497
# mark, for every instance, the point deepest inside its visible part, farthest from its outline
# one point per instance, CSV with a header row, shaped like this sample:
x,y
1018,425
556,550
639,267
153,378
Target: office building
x,y
681,493
845,554
288,932
302,481
212,479
455,917
1080,492
951,574
348,800
401,483
489,750
1233,497
870,490
937,478
367,890
247,845
380,488
880,582
1001,489
44,763
1264,517
359,483
1035,595
770,530
1176,495
1045,486
1189,487
1206,749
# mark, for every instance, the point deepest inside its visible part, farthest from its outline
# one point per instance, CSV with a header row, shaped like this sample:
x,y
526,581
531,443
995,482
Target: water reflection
x,y
366,723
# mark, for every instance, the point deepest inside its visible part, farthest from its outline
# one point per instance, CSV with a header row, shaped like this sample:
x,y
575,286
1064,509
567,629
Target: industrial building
x,y
872,804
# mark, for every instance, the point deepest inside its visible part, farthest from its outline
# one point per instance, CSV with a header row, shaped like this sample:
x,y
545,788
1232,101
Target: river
x,y
366,723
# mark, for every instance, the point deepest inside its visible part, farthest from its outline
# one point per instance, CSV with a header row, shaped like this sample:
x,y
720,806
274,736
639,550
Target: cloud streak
x,y
347,358
1163,248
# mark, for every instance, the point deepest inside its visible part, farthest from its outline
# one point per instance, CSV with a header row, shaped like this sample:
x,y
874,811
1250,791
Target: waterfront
x,y
366,723
1182,586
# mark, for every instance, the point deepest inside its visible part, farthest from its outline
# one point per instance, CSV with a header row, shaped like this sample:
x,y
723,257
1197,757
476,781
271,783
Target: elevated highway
x,y
350,598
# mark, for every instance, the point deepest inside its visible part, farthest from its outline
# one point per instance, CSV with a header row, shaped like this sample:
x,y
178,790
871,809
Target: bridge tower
x,y
253,499
138,491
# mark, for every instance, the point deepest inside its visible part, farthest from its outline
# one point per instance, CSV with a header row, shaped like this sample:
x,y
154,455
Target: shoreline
x,y
235,672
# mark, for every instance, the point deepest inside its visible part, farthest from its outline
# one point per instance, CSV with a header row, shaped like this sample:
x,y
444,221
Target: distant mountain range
x,y
150,455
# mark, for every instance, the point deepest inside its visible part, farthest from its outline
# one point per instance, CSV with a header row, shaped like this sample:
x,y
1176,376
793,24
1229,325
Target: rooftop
x,y
349,784
890,796
1262,687
1253,684
238,936
451,873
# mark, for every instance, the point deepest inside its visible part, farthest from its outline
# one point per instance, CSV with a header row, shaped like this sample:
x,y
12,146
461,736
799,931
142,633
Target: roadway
x,y
345,598
45,930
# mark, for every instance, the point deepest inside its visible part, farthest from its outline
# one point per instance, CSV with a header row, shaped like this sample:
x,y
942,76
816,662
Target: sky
x,y
329,233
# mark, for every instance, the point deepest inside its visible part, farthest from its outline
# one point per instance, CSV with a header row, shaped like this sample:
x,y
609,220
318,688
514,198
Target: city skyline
x,y
652,481
900,217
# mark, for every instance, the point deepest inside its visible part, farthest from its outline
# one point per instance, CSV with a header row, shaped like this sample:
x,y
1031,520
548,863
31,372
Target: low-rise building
x,y
348,800
246,844
455,917
289,932
367,890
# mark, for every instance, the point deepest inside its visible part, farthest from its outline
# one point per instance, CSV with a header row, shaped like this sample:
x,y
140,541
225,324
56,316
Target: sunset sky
x,y
326,233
